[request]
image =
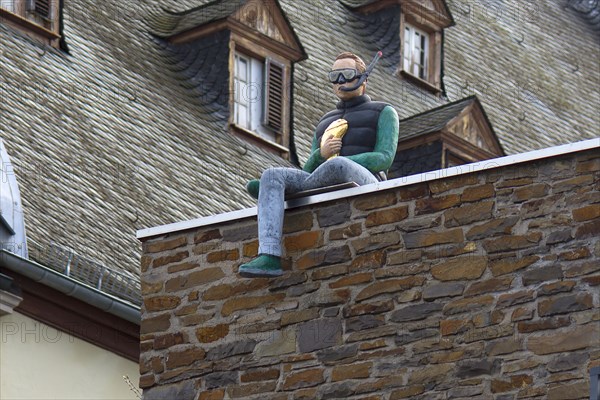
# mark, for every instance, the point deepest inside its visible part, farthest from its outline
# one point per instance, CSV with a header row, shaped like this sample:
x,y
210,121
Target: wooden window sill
x,y
260,141
28,25
420,82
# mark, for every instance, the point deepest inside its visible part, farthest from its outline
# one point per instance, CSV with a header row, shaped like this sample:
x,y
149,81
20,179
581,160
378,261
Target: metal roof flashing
x,y
70,287
145,234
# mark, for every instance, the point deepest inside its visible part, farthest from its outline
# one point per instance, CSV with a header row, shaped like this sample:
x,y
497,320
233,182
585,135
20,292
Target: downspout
x,y
70,287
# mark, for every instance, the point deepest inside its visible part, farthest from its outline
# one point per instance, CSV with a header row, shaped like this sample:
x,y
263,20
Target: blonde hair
x,y
360,64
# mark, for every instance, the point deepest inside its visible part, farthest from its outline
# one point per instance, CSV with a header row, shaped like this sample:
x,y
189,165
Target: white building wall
x,y
38,362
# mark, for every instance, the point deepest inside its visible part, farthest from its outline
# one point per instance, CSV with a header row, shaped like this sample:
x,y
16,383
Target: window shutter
x,y
41,7
274,95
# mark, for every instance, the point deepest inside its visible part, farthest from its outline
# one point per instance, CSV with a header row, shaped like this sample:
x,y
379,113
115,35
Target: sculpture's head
x,y
346,69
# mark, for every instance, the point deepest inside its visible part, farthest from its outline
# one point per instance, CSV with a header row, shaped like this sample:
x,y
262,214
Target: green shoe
x,y
263,266
253,187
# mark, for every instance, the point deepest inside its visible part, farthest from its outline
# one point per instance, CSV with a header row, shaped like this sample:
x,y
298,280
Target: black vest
x,y
362,115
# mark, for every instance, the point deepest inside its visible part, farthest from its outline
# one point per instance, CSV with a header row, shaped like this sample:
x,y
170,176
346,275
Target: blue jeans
x,y
276,182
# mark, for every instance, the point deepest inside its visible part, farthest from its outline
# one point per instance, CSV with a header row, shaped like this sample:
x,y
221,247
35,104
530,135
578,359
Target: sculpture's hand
x,y
331,147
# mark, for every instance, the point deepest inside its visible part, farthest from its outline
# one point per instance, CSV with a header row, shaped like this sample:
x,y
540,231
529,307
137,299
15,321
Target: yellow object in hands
x,y
336,129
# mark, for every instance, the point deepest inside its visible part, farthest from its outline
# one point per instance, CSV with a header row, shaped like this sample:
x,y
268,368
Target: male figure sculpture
x,y
366,149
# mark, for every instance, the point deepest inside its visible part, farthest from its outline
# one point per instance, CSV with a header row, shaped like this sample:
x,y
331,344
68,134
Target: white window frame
x,y
416,52
249,96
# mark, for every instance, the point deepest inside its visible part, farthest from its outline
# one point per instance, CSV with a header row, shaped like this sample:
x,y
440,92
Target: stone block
x,y
378,307
350,231
468,304
511,264
259,374
170,259
161,303
561,236
457,182
376,241
565,304
352,280
294,317
511,299
303,241
585,231
351,371
460,268
221,379
363,322
500,226
222,255
297,222
468,214
319,334
567,362
158,323
534,191
569,391
193,279
249,302
515,382
387,216
373,260
334,215
279,342
565,341
228,290
477,193
389,286
433,204
543,324
421,334
419,239
415,312
540,275
489,286
375,333
408,392
181,391
373,201
472,368
206,236
430,375
335,354
184,358
303,379
252,389
510,243
231,349
328,256
505,346
164,244
209,334
436,291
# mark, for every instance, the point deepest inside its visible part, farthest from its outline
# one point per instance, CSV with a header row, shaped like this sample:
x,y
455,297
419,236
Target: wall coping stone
x,y
144,234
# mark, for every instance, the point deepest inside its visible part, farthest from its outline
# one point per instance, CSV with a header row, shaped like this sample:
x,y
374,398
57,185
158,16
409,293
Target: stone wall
x,y
482,285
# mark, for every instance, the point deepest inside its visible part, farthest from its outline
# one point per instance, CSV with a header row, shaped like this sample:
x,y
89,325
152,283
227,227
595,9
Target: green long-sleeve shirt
x,y
382,156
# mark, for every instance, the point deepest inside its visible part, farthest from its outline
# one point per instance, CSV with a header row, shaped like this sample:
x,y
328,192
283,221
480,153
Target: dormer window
x,y
416,52
37,18
261,50
421,25
258,96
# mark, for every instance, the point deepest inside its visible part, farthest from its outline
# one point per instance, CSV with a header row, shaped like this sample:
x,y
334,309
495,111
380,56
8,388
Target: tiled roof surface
x,y
123,134
433,120
165,23
588,10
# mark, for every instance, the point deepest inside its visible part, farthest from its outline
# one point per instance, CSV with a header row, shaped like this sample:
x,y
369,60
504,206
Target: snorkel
x,y
364,75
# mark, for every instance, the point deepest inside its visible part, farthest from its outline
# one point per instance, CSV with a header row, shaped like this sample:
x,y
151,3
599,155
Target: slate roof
x,y
588,10
127,131
432,120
